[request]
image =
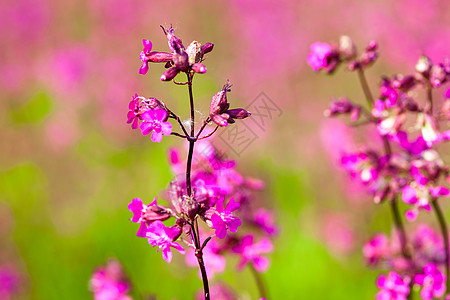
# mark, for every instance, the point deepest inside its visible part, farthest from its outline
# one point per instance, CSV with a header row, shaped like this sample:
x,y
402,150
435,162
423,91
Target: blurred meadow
x,y
69,163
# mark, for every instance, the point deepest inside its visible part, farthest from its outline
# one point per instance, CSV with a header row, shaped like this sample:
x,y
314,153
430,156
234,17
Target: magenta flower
x,y
252,252
146,214
317,58
154,121
376,249
264,219
224,218
144,56
432,282
9,282
133,113
420,196
109,283
392,287
163,237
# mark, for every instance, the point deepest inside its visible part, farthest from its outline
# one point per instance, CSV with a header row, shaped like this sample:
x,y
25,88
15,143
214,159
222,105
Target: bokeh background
x,y
69,163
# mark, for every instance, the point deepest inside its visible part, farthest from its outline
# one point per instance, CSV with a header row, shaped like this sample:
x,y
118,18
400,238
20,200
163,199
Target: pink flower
x,y
252,252
144,56
224,218
392,287
317,58
9,282
146,214
133,117
163,237
376,249
154,120
263,218
432,282
109,283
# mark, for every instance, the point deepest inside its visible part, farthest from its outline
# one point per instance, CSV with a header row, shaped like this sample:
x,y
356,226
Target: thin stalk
x,y
444,231
403,240
365,87
194,228
259,282
400,228
429,99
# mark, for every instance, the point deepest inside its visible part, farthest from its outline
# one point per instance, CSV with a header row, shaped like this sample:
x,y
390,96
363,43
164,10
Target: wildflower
x,y
251,252
432,282
322,56
219,112
109,283
146,214
376,249
146,56
154,120
392,287
163,237
223,218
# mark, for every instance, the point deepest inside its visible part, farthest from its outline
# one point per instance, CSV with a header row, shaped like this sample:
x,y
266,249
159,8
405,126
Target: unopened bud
x,y
170,74
437,75
207,47
194,52
219,101
238,113
423,65
189,207
347,47
199,68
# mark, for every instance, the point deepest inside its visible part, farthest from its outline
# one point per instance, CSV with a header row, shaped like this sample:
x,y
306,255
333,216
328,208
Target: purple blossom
x,y
133,113
223,218
9,282
154,121
163,237
264,219
252,252
318,57
144,56
109,283
376,249
146,214
432,282
392,287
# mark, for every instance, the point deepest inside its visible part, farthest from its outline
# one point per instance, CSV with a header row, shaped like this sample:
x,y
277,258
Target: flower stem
x,y
444,230
194,228
259,282
365,87
403,239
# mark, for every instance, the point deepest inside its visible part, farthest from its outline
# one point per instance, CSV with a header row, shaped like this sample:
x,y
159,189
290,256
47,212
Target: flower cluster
x,y
207,187
109,282
406,166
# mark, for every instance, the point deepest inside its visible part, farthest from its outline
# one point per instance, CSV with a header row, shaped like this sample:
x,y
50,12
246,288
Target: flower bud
x,y
238,113
437,75
181,61
170,74
199,68
221,120
159,57
194,52
175,43
189,207
219,103
152,103
423,65
347,47
207,47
